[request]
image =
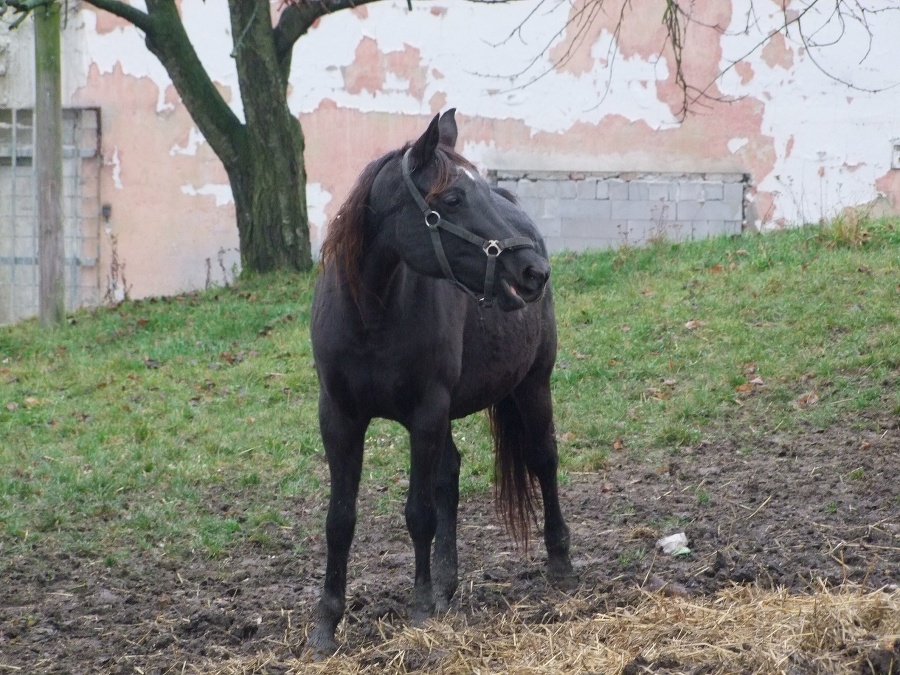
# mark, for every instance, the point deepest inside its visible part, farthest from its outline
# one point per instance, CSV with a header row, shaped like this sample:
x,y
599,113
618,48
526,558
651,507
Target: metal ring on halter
x,y
432,219
492,248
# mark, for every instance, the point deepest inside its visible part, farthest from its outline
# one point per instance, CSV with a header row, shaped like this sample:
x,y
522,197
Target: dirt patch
x,y
795,513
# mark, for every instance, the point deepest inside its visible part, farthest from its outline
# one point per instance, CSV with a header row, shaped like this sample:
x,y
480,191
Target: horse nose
x,y
536,276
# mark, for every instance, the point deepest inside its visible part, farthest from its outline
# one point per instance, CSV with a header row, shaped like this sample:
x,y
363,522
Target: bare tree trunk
x,y
48,161
268,180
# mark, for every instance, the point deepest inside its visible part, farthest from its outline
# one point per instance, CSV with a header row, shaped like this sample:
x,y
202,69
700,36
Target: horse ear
x,y
449,133
423,149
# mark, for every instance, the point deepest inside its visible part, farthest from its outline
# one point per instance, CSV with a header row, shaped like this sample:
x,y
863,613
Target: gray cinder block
x,y
618,189
586,189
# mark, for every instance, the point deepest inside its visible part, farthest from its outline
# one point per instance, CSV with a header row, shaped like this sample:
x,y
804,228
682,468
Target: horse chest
x,y
388,375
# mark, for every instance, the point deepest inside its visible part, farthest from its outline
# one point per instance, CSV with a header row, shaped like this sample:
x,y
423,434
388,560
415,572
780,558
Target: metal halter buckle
x,y
492,248
432,219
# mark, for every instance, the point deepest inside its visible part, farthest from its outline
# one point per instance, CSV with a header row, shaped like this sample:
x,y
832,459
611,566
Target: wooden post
x,y
48,163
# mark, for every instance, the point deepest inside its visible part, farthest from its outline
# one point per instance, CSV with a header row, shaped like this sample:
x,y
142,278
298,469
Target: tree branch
x,y
23,7
299,15
167,39
125,11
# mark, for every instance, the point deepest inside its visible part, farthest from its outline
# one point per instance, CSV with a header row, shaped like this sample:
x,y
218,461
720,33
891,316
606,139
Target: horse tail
x,y
514,485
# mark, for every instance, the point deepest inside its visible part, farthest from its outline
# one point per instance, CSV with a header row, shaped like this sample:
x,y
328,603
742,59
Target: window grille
x,y
19,276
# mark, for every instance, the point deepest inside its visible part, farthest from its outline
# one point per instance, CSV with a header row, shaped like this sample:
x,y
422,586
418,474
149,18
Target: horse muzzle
x,y
516,290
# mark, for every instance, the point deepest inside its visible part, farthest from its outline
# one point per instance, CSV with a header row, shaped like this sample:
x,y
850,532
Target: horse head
x,y
449,223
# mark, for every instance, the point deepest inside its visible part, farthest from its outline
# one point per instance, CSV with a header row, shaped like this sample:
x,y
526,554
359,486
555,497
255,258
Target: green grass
x,y
189,424
663,346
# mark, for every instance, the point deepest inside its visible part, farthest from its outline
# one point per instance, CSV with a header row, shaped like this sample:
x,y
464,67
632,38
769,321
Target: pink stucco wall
x,y
368,80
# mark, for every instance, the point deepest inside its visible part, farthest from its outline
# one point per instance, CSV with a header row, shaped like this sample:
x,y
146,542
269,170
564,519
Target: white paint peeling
x,y
124,47
116,165
735,144
207,24
317,200
221,192
195,139
482,82
831,124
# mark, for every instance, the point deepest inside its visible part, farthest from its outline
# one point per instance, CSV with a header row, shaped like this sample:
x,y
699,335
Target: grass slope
x,y
143,425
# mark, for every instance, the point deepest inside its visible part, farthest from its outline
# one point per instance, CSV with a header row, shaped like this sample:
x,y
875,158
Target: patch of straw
x,y
740,629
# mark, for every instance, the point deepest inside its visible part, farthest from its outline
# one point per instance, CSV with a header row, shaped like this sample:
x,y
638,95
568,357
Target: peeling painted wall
x,y
365,81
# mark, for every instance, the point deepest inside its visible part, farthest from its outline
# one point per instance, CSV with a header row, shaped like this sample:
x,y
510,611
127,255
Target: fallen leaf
x,y
694,323
12,406
31,402
567,437
807,400
744,388
715,269
655,584
618,444
626,328
757,381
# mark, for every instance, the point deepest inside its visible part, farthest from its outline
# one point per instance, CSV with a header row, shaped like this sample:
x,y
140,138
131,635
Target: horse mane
x,y
344,244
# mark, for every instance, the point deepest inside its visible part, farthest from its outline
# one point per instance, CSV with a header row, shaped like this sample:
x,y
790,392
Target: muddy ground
x,y
818,506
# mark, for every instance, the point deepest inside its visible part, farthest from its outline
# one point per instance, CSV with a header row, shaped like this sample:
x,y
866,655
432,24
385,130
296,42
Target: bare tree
x,y
263,156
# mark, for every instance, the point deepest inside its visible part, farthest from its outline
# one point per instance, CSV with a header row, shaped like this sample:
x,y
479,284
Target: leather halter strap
x,y
492,247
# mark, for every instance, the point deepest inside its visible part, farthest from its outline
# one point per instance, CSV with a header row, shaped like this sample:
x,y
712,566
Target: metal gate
x,y
18,211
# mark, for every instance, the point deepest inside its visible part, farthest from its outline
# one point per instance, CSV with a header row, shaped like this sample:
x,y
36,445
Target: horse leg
x,y
535,405
343,438
426,441
446,497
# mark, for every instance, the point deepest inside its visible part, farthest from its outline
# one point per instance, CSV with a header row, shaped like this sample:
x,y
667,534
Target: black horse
x,y
433,304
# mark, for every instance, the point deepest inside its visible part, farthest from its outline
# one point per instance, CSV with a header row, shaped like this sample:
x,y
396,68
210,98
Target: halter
x,y
492,247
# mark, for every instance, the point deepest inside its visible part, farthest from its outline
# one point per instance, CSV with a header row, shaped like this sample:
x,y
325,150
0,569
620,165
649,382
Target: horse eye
x,y
452,200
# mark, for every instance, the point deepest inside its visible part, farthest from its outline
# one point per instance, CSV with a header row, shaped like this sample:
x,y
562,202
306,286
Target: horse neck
x,y
381,265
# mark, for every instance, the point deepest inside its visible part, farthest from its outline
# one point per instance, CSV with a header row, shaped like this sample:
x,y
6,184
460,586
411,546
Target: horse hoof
x,y
441,606
321,646
561,574
419,616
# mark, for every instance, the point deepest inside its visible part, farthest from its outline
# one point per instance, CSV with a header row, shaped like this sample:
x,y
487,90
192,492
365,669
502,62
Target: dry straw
x,y
739,630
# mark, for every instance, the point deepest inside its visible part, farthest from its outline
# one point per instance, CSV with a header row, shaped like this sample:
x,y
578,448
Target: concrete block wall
x,y
579,211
